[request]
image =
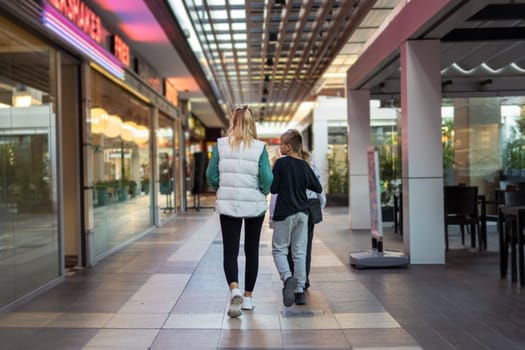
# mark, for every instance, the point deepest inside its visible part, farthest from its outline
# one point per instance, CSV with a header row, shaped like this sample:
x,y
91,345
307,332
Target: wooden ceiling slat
x,y
297,82
277,59
295,44
265,46
301,53
343,27
229,88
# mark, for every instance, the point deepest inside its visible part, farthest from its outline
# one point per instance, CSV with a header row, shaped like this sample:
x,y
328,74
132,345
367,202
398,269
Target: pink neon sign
x,y
58,24
85,19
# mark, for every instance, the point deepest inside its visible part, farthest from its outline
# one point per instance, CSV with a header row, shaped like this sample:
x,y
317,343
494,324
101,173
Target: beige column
x,y
422,153
359,138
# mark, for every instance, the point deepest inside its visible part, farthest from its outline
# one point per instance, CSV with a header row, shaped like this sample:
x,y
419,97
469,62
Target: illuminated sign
x,y
57,21
85,19
171,93
121,50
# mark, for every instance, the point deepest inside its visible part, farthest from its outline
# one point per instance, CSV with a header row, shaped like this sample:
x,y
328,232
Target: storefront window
x,y
386,140
482,140
486,132
29,237
120,132
181,166
167,173
337,160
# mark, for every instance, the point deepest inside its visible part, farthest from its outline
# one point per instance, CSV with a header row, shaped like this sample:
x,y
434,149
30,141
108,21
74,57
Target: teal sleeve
x,y
212,173
265,173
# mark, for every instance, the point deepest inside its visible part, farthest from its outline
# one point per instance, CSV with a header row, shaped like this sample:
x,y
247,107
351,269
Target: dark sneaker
x,y
288,291
300,299
306,285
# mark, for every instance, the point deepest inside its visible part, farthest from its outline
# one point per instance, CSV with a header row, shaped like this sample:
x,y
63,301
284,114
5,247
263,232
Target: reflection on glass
x,y
119,125
29,245
167,190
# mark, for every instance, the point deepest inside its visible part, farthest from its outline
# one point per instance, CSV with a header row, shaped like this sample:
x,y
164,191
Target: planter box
x,y
102,196
387,213
337,200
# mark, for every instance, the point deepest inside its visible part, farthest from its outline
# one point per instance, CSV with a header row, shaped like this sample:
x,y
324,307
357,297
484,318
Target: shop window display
x,y
119,125
167,174
337,193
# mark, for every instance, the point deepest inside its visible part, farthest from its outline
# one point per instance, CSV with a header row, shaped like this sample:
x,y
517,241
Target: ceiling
x,y
482,51
276,54
270,54
153,40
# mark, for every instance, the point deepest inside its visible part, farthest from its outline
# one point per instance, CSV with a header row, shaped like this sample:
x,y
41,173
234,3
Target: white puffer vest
x,y
238,194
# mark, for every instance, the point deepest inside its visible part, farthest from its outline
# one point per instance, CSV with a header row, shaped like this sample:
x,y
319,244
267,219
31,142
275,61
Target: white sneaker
x,y
235,303
247,303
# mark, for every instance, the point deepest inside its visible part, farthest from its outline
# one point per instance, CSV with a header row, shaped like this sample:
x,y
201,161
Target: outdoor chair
x,y
461,208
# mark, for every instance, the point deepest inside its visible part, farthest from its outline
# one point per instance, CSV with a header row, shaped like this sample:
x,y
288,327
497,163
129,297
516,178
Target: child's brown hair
x,y
293,138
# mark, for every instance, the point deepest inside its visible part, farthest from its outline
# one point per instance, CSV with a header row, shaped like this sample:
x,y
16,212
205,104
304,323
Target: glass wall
x,y
483,143
196,154
487,143
337,160
29,233
167,172
120,132
181,166
385,138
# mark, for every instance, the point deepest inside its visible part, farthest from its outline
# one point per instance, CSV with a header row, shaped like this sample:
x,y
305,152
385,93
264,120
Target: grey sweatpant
x,y
291,232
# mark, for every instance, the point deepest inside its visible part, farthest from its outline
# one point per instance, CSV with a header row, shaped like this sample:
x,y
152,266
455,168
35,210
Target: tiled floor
x,y
167,291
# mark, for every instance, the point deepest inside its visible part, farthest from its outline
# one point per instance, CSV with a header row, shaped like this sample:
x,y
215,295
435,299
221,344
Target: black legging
x,y
231,236
308,252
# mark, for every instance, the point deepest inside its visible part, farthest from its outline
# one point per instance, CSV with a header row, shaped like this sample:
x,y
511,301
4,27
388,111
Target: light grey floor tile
x,y
81,320
314,339
252,320
117,338
204,321
366,320
144,321
147,306
186,339
317,321
246,339
325,261
378,338
28,319
390,348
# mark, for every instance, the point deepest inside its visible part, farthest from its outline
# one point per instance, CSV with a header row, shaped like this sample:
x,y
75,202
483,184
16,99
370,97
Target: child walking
x,y
292,176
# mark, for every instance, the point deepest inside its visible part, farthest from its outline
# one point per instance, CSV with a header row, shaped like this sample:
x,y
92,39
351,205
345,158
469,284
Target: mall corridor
x,y
168,291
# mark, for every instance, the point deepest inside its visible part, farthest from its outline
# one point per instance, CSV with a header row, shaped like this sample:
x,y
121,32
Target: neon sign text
x,y
82,16
121,50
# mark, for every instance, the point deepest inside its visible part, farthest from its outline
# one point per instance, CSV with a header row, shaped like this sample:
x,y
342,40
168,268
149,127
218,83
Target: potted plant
x,y
133,189
123,187
447,139
145,185
102,196
389,172
337,194
513,153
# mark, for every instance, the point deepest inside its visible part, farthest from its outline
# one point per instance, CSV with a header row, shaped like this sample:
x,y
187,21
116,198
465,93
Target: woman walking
x,y
239,169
